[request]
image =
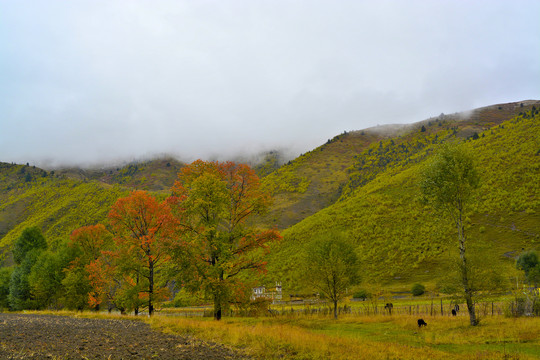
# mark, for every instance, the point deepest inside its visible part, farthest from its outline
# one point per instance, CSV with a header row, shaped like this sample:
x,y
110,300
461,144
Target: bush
x,y
255,308
526,304
184,298
361,294
5,277
418,289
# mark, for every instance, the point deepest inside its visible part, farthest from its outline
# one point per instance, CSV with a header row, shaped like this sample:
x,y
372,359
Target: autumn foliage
x,y
95,244
144,230
214,202
199,235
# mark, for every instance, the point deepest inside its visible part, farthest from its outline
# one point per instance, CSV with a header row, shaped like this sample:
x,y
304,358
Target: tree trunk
x,y
335,309
150,288
468,293
218,297
217,309
137,304
465,273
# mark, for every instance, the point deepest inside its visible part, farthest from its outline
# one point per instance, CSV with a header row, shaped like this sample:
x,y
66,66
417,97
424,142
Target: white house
x,y
273,293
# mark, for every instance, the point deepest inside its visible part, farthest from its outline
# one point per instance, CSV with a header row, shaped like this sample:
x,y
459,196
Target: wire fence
x,y
369,308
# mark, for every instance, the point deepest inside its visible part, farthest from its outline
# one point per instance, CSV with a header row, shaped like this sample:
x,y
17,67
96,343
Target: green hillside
x,y
399,240
320,177
58,205
62,200
313,180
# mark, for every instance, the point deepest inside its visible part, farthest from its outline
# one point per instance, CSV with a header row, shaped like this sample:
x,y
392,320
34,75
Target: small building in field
x,y
274,293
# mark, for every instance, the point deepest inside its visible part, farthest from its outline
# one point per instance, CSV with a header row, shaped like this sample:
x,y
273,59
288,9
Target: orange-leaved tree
x,y
95,244
213,202
145,232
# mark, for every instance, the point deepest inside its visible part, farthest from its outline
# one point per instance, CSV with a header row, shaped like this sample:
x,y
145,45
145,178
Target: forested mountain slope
x,y
398,239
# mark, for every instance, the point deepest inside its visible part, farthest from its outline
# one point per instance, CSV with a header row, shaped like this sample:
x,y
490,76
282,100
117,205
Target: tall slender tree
x,y
448,183
26,252
214,202
331,266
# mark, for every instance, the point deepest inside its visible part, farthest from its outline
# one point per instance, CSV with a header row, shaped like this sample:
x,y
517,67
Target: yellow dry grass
x,y
377,337
359,337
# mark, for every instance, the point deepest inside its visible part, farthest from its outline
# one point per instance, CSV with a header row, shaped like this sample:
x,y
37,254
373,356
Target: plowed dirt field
x,y
31,336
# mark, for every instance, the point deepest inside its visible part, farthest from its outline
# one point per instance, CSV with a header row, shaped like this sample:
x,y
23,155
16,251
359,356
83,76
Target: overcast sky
x,y
94,81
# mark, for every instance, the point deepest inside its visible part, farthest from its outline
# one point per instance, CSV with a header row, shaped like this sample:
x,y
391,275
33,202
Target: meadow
x,y
380,336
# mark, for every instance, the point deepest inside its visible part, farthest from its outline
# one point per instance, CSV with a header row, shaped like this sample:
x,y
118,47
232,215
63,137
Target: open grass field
x,y
367,337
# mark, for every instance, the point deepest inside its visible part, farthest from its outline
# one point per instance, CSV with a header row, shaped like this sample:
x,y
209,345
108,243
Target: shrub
x,y
361,294
418,289
183,299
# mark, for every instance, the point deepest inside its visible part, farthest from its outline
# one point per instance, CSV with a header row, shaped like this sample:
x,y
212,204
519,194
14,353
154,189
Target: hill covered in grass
x,y
398,239
34,197
318,178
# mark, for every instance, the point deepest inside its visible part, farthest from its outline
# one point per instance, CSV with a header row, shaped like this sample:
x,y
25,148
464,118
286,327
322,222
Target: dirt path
x,y
29,336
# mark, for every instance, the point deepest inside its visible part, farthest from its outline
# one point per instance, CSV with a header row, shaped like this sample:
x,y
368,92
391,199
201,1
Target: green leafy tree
x,y
214,202
5,278
45,279
448,183
46,276
20,295
30,239
529,263
331,266
76,288
26,252
418,289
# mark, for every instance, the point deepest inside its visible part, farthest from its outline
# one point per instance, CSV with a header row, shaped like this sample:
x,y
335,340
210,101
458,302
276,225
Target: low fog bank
x,y
252,157
141,145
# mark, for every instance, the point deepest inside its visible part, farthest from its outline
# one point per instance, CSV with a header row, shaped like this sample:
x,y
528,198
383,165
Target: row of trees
x,y
198,238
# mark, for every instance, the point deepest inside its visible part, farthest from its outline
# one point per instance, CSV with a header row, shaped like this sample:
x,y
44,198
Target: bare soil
x,y
31,336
